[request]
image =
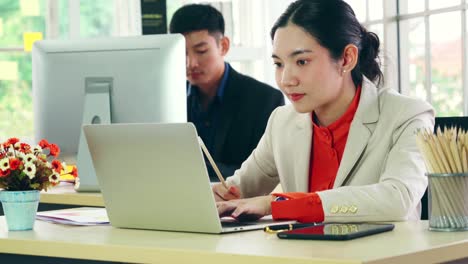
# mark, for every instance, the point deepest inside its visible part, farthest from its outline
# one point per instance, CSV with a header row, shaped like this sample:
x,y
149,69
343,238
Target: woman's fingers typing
x,y
225,208
245,209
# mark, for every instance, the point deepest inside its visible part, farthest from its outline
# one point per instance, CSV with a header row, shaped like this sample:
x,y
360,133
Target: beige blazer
x,y
381,175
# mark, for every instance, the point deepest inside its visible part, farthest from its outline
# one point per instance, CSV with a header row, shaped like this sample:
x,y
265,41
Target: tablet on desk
x,y
336,231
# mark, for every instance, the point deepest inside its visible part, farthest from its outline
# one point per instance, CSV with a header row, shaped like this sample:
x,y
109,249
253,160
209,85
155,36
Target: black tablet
x,y
336,231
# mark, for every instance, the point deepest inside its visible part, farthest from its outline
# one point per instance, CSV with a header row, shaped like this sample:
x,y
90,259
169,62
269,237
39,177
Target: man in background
x,y
230,110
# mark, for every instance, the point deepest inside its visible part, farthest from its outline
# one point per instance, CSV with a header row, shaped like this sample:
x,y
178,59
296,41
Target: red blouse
x,y
328,144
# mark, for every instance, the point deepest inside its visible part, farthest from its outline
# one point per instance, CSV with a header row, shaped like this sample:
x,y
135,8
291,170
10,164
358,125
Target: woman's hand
x,y
223,194
246,209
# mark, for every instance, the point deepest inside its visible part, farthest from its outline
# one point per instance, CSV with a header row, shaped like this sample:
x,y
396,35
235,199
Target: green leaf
x,y
21,175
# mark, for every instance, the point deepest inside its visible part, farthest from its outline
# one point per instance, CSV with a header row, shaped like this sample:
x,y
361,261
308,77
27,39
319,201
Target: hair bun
x,y
369,62
371,43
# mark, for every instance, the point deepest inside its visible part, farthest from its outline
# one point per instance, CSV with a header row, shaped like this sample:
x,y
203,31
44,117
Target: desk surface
x,y
65,194
409,242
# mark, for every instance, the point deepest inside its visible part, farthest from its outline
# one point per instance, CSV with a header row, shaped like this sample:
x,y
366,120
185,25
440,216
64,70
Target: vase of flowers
x,y
24,172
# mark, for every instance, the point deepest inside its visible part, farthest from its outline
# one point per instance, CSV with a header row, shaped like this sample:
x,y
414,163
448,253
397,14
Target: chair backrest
x,y
457,121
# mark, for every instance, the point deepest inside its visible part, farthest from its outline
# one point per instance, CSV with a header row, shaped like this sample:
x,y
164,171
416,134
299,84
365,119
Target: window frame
x,y
394,50
426,14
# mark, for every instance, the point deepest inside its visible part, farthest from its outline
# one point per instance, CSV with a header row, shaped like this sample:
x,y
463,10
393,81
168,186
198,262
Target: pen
x,y
281,228
213,164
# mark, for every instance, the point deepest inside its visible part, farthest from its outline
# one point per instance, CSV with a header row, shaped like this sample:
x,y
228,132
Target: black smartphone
x,y
336,231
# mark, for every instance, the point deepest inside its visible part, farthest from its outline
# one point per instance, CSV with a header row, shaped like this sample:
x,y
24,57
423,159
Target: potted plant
x,y
24,172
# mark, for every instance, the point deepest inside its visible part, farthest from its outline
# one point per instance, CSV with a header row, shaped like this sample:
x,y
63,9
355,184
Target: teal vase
x,y
20,208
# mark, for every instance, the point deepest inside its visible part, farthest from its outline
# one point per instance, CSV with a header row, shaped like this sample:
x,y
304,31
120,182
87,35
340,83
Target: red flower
x,y
4,173
14,163
74,172
44,144
10,142
25,147
13,141
54,150
57,166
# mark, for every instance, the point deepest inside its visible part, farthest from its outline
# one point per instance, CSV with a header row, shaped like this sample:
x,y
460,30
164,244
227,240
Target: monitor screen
x,y
143,75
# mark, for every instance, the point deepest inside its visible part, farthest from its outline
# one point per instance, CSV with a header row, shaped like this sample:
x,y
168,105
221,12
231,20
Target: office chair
x,y
458,121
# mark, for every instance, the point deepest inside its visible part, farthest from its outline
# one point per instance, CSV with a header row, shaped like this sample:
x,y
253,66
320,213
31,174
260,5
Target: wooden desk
x,y
410,242
65,194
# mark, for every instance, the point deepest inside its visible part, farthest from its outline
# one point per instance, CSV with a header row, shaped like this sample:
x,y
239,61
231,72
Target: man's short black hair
x,y
196,17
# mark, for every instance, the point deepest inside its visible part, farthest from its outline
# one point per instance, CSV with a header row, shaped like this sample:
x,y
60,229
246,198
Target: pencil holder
x,y
448,201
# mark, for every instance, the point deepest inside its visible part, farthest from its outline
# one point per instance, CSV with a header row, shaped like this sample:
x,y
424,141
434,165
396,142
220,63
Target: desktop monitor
x,y
138,79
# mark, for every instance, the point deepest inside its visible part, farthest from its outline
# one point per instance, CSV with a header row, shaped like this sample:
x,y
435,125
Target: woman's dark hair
x,y
333,24
195,17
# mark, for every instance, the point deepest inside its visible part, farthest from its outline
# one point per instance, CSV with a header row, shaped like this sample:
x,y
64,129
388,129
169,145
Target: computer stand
x,y
96,110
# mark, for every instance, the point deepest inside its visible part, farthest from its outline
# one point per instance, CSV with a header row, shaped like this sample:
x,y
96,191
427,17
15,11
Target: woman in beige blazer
x,y
322,56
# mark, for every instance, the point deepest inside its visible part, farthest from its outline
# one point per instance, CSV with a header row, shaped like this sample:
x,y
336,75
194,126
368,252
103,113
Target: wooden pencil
x,y
445,152
212,162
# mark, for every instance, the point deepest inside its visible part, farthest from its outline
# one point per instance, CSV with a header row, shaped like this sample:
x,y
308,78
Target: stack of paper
x,y
76,216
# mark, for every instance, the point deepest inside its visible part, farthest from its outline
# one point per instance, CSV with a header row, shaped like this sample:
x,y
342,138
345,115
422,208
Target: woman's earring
x,y
344,71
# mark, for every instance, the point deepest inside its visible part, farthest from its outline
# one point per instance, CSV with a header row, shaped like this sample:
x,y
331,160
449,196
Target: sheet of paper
x,y
76,216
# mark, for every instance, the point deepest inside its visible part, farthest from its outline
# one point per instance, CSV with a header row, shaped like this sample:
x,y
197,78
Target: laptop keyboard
x,y
234,224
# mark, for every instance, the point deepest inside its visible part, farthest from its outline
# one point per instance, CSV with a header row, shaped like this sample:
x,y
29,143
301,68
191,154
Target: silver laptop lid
x,y
153,176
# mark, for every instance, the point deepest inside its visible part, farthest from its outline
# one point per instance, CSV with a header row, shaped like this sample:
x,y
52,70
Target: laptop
x,y
153,176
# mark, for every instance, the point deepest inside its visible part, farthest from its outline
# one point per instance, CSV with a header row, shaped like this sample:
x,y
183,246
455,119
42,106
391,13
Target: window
x,y
432,53
424,48
17,17
56,19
